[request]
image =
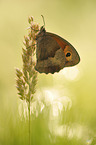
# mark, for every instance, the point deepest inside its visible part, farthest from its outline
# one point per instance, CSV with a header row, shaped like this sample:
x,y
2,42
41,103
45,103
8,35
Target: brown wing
x,y
46,47
62,42
54,53
52,64
72,56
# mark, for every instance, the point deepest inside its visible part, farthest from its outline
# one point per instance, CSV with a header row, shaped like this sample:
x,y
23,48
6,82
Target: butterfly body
x,y
54,53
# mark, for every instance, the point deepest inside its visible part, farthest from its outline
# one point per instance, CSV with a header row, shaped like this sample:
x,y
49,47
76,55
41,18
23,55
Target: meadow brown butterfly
x,y
53,53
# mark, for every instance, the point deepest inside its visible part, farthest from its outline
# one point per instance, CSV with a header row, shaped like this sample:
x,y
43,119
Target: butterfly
x,y
53,53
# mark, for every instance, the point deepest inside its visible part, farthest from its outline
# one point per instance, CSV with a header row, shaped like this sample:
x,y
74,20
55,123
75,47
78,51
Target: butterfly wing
x,y
72,56
46,47
52,64
54,53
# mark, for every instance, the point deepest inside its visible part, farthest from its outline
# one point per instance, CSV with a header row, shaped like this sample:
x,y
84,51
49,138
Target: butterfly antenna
x,y
43,20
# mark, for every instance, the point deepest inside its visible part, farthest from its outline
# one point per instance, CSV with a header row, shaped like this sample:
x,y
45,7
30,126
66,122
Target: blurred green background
x,y
65,110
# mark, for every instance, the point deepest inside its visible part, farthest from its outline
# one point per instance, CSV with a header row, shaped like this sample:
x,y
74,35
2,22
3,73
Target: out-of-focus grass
x,y
76,22
16,132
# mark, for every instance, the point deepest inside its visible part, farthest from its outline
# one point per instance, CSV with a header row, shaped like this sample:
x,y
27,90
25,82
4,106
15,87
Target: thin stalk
x,y
29,113
29,124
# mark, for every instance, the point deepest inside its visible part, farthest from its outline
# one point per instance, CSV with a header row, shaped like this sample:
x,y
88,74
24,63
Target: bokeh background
x,y
65,110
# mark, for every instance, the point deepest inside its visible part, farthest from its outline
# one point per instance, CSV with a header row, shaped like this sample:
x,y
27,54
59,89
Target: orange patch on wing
x,y
60,41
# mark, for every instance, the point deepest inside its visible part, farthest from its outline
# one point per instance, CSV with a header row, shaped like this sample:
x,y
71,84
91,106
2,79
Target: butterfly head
x,y
41,32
